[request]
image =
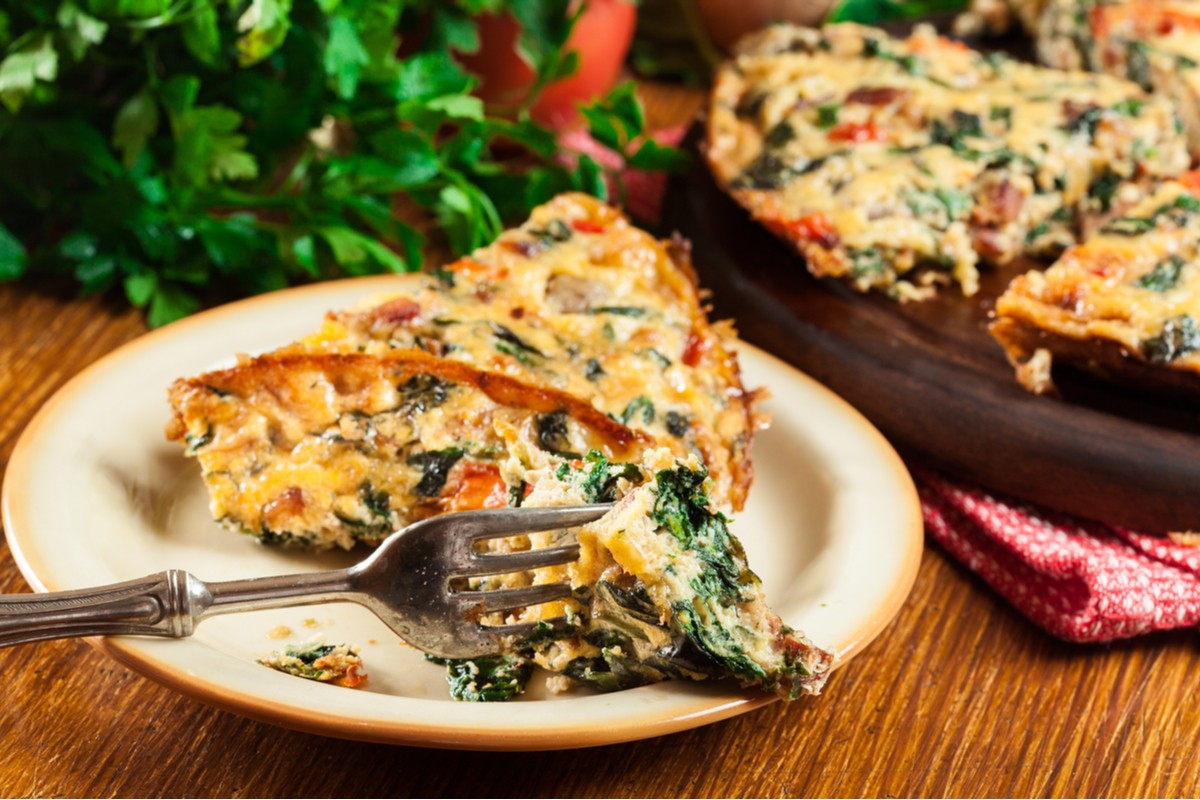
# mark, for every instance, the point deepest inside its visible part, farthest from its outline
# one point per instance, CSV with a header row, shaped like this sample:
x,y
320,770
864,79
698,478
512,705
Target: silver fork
x,y
414,581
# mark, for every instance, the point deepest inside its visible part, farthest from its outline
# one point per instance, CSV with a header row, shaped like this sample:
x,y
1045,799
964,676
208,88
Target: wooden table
x,y
960,696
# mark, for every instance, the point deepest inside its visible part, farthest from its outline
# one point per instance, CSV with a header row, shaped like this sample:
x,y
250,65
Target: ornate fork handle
x,y
166,604
156,605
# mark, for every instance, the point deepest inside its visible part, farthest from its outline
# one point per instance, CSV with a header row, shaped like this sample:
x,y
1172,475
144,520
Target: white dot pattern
x,y
1080,580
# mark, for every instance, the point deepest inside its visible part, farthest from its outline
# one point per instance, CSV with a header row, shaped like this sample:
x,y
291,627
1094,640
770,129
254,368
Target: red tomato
x,y
857,132
815,227
1191,181
601,37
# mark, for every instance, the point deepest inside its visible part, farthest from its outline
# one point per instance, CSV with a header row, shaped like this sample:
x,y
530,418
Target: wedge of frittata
x,y
581,301
898,164
1126,303
1154,43
662,589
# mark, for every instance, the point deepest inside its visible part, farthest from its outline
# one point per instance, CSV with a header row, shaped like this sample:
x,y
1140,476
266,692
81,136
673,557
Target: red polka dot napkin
x,y
1080,580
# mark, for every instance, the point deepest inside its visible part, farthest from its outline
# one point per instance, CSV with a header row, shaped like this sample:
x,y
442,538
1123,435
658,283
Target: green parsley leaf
x,y
13,260
136,122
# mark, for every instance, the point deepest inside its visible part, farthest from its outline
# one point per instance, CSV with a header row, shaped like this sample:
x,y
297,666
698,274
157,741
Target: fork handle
x,y
164,604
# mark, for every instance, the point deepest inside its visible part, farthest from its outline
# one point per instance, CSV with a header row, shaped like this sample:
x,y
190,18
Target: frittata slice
x,y
662,589
1125,304
579,300
898,164
322,450
1154,43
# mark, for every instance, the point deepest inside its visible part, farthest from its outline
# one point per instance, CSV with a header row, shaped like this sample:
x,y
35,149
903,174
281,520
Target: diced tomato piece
x,y
587,226
920,44
857,132
478,271
1145,19
816,228
1191,181
474,485
353,677
694,349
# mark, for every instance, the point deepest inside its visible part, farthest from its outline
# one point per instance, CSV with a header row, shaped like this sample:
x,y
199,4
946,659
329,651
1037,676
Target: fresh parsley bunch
x,y
191,150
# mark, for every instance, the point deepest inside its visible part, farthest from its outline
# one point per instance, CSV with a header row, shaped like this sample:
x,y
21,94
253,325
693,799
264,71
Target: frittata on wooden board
x,y
898,164
1154,43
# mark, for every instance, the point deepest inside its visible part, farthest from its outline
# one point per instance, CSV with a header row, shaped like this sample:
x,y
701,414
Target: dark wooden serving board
x,y
930,377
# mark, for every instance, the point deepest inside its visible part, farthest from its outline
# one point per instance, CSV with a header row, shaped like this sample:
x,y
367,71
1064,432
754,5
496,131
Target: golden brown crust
x,y
355,373
900,164
1125,304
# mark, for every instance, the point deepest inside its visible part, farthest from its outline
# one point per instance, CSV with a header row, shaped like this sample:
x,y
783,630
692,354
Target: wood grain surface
x,y
959,697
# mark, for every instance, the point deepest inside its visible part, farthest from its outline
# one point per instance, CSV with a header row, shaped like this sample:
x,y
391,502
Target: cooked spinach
x,y
423,392
941,206
592,370
913,65
600,480
555,231
376,500
1085,122
1137,64
658,357
516,494
487,679
635,647
554,435
677,424
1178,211
379,522
827,116
1129,108
621,311
767,171
867,264
641,404
780,135
435,466
1179,336
511,344
195,441
1164,276
1104,188
1036,232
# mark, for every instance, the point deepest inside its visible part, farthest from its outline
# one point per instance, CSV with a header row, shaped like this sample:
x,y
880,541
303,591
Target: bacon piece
x,y
876,95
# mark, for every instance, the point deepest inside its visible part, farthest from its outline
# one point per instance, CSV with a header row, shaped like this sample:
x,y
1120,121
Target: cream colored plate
x,y
95,494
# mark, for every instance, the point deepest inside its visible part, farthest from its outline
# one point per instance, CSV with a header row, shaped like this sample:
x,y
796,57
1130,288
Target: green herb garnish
x,y
185,152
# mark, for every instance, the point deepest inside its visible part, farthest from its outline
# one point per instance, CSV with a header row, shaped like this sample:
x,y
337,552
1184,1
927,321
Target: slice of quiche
x,y
331,449
661,591
898,164
1154,43
581,301
1126,303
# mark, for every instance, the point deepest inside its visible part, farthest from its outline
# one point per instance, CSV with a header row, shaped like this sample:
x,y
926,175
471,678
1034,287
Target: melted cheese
x,y
579,300
1135,287
877,157
1155,43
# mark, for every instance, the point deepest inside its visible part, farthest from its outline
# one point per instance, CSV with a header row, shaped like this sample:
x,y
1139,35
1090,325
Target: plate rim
x,y
137,653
